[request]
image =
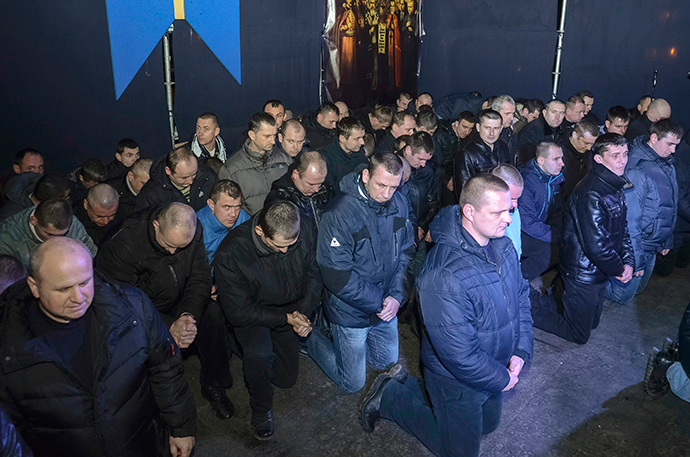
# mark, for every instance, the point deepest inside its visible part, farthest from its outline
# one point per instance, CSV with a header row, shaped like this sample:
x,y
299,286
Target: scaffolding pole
x,y
167,62
559,50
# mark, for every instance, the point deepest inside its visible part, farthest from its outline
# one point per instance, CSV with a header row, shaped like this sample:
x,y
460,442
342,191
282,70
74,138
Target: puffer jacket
x,y
652,203
311,206
476,313
138,377
595,244
18,239
159,190
255,173
681,162
477,157
363,250
540,202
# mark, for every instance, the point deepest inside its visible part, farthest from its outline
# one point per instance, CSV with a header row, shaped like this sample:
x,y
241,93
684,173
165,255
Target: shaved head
x,y
659,110
103,196
54,249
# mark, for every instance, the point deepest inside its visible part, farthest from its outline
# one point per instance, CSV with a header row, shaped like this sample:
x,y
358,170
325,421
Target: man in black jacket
x,y
545,128
577,154
345,152
177,177
402,124
595,245
320,126
129,185
658,110
483,152
505,106
126,153
376,120
161,251
268,282
89,381
304,185
97,213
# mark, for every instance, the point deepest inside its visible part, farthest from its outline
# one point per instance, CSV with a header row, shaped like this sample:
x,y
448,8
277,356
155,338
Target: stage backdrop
x,y
57,88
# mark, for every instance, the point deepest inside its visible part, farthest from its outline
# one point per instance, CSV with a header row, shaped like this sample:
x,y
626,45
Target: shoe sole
x,y
648,372
367,398
268,438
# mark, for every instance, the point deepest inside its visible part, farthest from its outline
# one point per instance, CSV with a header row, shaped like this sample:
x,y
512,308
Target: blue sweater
x,y
214,231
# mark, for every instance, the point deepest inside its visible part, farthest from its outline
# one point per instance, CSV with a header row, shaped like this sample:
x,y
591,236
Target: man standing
x,y
221,214
345,152
652,204
126,153
258,163
177,177
206,142
478,329
577,154
540,206
268,283
363,249
161,251
658,110
483,152
306,186
97,214
89,369
545,128
595,245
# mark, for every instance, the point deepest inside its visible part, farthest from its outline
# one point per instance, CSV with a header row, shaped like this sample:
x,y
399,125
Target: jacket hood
x,y
532,168
352,185
641,151
19,187
445,228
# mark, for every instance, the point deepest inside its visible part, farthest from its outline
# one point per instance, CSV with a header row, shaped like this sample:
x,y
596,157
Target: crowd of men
x,y
312,237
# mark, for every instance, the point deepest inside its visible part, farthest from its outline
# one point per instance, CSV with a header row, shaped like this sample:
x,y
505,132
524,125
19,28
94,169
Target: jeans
x,y
679,382
621,293
270,357
582,307
344,360
454,422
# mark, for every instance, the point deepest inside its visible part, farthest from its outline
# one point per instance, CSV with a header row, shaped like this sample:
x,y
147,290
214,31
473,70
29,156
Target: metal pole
x,y
167,61
559,50
656,73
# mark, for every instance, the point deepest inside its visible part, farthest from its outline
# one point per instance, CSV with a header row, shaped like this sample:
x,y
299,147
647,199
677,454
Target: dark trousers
x,y
678,257
454,422
582,306
270,357
537,256
212,346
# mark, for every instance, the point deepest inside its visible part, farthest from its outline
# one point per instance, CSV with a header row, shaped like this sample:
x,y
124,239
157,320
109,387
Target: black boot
x,y
655,383
220,402
262,425
369,411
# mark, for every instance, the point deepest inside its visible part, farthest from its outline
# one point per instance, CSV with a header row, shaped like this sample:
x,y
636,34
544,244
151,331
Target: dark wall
x,y
57,92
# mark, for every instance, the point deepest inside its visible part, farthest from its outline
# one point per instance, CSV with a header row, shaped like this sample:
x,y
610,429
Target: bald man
x,y
97,214
83,380
658,110
161,251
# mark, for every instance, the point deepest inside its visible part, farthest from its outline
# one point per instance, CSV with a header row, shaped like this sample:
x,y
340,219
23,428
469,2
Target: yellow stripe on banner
x,y
179,9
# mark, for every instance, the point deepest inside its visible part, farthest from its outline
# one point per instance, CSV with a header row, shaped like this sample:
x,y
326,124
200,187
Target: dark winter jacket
x,y
363,117
510,139
576,166
652,203
681,162
534,133
477,157
258,286
363,250
540,202
116,169
595,244
638,127
137,370
476,312
78,191
18,190
175,283
311,206
386,143
255,173
159,190
127,200
95,231
316,135
11,443
421,190
340,163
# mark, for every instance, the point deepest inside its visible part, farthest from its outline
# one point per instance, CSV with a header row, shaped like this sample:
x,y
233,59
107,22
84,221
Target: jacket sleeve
x,y
525,344
315,287
336,266
461,171
235,298
407,250
595,240
113,260
529,213
197,290
146,197
166,373
635,199
449,318
78,232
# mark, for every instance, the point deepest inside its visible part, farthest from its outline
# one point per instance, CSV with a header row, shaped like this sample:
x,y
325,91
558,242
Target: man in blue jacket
x,y
221,214
539,208
364,245
652,204
478,328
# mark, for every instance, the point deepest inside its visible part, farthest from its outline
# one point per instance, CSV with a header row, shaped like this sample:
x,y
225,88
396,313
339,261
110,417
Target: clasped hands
x,y
390,309
300,323
183,330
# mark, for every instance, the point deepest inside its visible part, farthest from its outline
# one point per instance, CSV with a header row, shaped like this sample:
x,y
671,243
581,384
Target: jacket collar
x,y
255,156
610,178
